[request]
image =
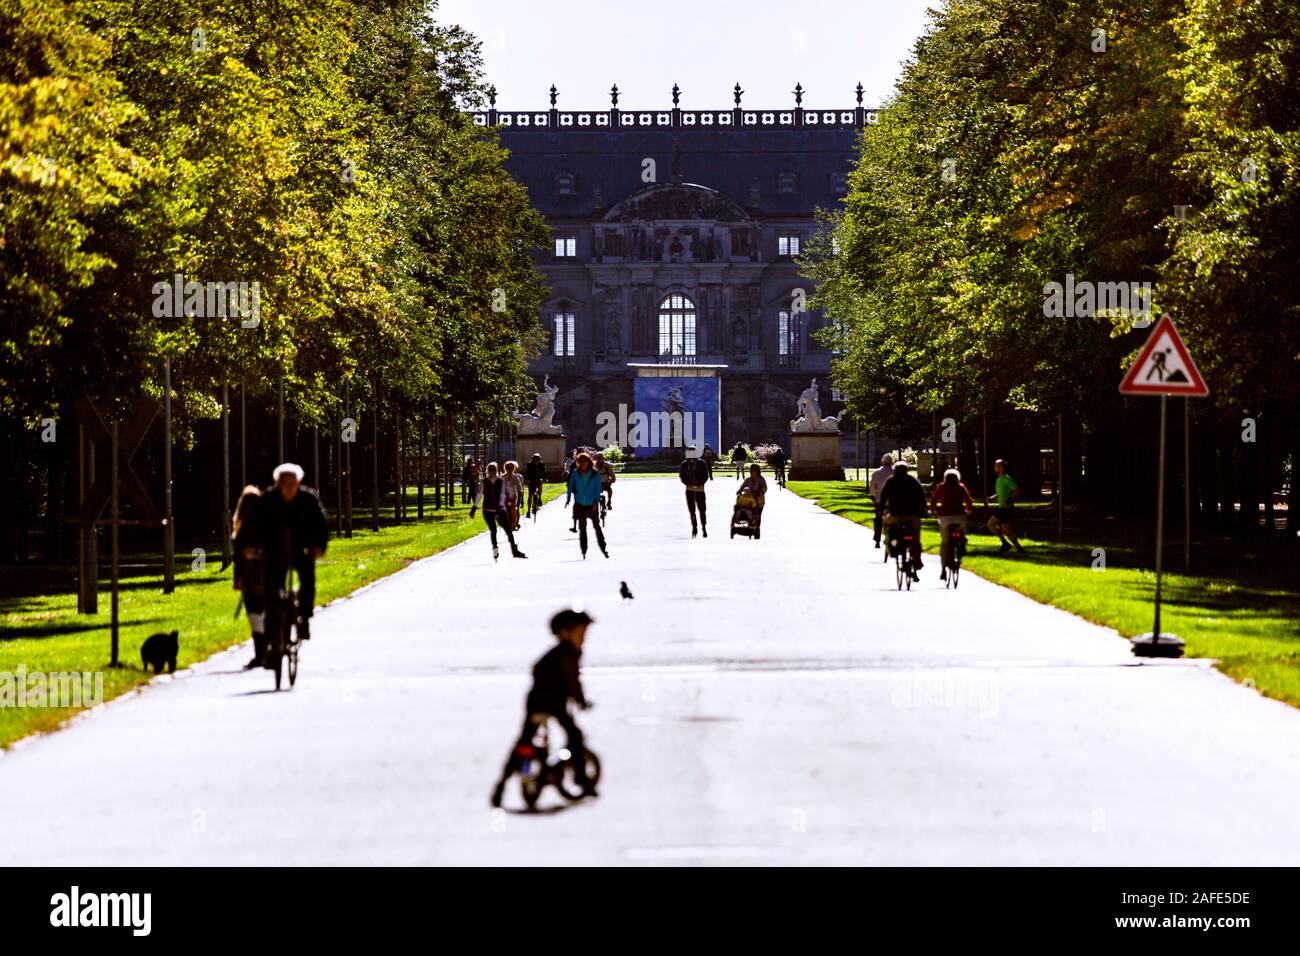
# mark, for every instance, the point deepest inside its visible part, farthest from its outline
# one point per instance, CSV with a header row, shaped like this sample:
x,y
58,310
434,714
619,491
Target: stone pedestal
x,y
550,447
815,456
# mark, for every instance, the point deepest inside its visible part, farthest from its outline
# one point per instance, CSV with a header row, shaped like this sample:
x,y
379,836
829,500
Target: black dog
x,y
160,649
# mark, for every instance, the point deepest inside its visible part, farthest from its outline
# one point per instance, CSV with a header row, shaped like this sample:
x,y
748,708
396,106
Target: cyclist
x,y
903,500
291,531
607,479
951,503
778,460
556,681
534,478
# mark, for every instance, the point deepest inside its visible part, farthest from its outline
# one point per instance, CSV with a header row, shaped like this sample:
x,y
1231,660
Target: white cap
x,y
288,468
691,452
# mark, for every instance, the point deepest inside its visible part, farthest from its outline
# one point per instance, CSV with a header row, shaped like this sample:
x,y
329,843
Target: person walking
x,y
738,458
1006,491
469,481
951,503
569,468
755,485
876,485
607,479
710,458
249,579
584,491
512,493
491,496
693,474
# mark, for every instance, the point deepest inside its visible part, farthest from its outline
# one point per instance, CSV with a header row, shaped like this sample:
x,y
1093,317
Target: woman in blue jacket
x,y
584,491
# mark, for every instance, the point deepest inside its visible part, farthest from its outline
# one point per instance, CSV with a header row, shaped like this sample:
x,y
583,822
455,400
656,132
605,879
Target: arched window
x,y
676,326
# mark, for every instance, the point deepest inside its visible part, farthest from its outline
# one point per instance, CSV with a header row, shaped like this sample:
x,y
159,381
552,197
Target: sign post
x,y
1163,368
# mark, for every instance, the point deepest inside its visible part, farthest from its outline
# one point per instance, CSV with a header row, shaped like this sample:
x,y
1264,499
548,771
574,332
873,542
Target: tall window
x,y
787,244
563,342
676,326
787,336
566,246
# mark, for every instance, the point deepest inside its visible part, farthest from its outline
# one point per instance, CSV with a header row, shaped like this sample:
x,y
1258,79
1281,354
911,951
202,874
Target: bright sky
x,y
705,46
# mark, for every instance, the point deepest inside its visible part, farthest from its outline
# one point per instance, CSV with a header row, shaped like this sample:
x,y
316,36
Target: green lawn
x,y
43,633
1244,611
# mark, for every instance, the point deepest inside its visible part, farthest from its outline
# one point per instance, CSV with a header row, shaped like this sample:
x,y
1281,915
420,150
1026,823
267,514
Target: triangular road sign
x,y
1164,366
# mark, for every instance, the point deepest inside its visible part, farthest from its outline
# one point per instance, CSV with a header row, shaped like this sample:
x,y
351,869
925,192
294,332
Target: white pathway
x,y
759,702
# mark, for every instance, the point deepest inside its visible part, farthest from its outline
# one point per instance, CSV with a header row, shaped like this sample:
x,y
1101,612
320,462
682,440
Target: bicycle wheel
x,y
952,575
568,784
898,571
293,662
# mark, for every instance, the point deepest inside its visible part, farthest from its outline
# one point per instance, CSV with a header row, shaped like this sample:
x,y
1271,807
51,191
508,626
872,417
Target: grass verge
x,y
1244,612
44,634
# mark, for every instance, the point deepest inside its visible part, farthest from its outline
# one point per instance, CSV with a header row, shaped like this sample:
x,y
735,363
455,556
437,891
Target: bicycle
x,y
780,475
534,501
956,551
539,768
285,641
901,536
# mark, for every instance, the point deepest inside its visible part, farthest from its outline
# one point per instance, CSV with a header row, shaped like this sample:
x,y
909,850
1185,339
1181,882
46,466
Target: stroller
x,y
745,516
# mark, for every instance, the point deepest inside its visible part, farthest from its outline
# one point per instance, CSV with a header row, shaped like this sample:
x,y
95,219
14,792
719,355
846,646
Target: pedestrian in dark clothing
x,y
694,473
710,457
556,681
250,580
291,532
493,497
738,458
469,481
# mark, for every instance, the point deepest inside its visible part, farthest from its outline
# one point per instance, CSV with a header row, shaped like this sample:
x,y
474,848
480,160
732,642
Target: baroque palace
x,y
673,272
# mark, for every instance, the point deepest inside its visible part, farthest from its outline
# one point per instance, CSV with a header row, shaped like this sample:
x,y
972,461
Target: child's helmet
x,y
569,618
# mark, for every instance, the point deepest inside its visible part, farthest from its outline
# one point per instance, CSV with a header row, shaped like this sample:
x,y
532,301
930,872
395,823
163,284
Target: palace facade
x,y
676,234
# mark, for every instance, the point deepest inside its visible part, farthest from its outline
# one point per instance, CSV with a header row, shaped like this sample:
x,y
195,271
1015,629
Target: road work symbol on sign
x,y
1164,366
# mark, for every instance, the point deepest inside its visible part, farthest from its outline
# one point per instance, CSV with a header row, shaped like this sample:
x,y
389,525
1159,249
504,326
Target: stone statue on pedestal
x,y
810,414
539,420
